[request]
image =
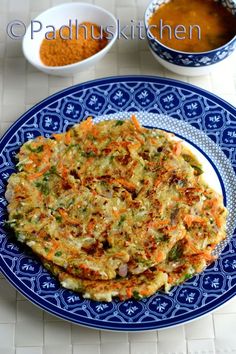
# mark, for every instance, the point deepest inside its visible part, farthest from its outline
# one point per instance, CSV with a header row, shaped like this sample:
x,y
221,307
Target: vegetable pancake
x,y
165,275
110,201
137,286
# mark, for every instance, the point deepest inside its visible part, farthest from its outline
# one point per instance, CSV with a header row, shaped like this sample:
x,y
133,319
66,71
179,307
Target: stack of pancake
x,y
114,209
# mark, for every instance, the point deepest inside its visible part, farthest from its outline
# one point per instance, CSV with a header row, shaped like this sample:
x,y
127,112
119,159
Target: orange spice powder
x,y
82,45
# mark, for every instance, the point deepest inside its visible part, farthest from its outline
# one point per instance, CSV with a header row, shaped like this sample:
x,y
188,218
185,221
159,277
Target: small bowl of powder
x,y
69,38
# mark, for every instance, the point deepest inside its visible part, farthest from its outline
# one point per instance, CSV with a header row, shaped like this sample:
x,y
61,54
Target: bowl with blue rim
x,y
188,63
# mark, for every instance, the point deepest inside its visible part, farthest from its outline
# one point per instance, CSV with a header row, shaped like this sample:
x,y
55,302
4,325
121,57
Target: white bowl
x,y
58,16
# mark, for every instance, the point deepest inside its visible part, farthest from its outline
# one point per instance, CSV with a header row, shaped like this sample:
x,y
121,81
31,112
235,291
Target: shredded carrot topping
x,y
136,123
129,292
69,220
40,173
125,183
87,124
68,138
177,148
190,219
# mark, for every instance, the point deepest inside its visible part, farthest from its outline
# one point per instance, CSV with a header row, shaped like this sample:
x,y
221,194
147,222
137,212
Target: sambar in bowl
x,y
191,37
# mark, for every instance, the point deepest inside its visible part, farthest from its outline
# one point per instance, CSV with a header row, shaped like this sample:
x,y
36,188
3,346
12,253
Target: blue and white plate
x,y
205,122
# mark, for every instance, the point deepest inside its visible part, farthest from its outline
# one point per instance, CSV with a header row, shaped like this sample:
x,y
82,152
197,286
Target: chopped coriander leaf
x,y
136,295
70,202
122,219
103,182
145,262
17,216
19,166
43,187
19,236
119,122
187,276
184,278
37,149
58,254
175,253
47,238
10,222
90,137
161,238
53,169
194,164
198,170
88,154
189,158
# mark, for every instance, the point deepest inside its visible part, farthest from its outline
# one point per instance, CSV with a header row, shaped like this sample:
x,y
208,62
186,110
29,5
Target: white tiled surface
x,y
25,329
